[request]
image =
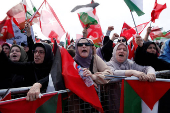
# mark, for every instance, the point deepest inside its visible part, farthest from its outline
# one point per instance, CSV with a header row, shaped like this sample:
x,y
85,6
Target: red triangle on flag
x,y
150,92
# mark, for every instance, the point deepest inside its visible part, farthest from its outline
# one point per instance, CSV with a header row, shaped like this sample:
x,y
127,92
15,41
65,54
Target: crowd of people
x,y
30,64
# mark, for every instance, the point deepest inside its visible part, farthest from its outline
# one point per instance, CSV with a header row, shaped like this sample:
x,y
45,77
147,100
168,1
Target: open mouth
x,y
84,51
121,55
14,56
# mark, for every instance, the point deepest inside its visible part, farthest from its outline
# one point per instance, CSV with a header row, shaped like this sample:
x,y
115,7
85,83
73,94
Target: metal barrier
x,y
109,95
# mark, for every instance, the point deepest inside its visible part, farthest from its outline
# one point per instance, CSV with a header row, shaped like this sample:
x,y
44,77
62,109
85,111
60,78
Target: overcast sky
x,y
110,13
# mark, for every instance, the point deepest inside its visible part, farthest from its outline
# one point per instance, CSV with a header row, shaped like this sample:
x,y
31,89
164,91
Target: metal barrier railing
x,y
109,95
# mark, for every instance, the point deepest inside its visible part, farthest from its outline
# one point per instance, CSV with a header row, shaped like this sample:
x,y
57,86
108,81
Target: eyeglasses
x,y
123,40
39,52
86,44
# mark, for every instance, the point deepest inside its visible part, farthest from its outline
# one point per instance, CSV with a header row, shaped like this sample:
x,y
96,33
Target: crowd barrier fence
x,y
109,95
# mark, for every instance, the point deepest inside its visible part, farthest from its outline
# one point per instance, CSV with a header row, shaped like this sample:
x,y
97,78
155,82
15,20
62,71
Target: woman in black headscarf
x,y
147,55
35,73
17,54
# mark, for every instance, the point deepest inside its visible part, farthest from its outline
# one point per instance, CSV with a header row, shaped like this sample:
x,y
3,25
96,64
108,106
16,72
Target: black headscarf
x,y
43,69
144,58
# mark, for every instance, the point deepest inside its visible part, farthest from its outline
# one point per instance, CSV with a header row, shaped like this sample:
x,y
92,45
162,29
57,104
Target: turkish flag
x,y
74,82
156,11
49,23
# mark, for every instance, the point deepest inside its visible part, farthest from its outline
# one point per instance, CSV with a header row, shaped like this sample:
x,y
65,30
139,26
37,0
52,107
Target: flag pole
x,y
134,23
150,23
35,12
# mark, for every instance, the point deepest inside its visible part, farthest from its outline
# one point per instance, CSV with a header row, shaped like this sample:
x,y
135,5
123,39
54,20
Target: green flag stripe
x,y
34,9
50,106
158,38
132,102
86,19
133,7
29,13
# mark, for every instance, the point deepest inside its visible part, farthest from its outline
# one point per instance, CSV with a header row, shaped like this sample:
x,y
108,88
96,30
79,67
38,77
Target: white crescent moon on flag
x,y
123,30
74,64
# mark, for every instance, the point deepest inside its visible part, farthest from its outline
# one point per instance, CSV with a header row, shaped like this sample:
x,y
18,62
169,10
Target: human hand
x,y
141,75
14,42
149,30
94,50
34,92
114,36
85,32
110,28
86,72
151,77
27,28
139,40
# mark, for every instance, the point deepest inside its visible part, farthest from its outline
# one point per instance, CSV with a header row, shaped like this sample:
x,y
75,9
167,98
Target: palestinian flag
x,y
56,81
135,5
159,38
48,103
7,95
90,20
143,97
160,34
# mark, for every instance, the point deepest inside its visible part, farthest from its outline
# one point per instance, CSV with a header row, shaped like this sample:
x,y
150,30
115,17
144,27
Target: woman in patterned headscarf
x,y
122,66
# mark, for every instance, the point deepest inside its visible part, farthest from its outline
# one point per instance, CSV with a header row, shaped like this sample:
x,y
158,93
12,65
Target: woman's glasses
x,y
86,44
123,40
39,52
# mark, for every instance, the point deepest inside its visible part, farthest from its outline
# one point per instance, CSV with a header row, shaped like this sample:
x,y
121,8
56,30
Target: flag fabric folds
x,y
74,82
6,29
142,97
17,12
135,5
49,23
67,40
127,31
48,103
156,11
155,31
56,81
7,95
94,30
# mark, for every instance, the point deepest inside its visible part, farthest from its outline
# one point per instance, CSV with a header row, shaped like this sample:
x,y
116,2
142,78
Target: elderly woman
x,y
35,73
122,66
93,65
